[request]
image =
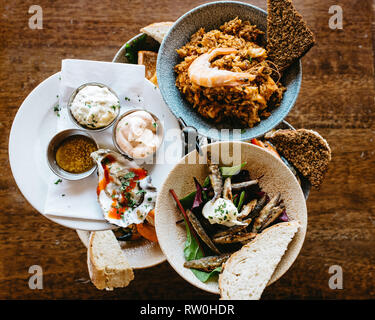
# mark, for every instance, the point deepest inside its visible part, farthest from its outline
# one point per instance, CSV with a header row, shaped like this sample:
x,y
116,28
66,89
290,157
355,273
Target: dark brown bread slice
x,y
306,150
148,59
288,36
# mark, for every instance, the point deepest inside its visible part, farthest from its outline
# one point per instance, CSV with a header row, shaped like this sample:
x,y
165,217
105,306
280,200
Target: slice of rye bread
x,y
306,149
107,264
247,272
148,59
288,36
157,30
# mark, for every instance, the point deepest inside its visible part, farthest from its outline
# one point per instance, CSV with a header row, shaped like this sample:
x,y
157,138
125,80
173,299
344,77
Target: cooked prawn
x,y
201,73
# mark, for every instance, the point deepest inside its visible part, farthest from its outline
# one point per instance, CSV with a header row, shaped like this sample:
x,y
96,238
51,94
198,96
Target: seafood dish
x,y
125,194
226,76
226,211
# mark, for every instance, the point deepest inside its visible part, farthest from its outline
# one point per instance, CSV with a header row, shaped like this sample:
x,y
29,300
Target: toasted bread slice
x,y
157,30
246,273
108,267
306,149
288,36
148,59
154,80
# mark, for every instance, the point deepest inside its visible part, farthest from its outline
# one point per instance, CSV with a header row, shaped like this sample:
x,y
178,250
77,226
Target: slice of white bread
x,y
157,30
246,273
108,267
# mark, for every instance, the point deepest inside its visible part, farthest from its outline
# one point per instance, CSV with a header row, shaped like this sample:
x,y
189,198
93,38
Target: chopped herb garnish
x,y
57,110
127,99
155,124
63,195
129,175
58,181
251,59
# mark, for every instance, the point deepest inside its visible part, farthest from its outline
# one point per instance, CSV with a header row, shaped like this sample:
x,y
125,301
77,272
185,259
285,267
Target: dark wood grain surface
x,y
336,99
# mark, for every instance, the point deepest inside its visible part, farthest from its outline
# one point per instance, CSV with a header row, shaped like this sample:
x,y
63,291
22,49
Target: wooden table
x,y
336,99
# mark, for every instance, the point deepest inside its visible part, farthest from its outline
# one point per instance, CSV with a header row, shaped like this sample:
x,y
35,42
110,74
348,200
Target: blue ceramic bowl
x,y
210,16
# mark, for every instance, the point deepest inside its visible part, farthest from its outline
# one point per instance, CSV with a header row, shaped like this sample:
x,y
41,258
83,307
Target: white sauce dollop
x,y
136,134
221,211
95,107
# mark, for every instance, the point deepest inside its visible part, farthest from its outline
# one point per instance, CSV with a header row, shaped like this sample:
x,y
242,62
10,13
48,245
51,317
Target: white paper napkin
x,y
77,199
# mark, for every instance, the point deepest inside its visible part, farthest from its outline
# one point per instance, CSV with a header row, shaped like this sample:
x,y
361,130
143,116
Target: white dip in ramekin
x,y
95,107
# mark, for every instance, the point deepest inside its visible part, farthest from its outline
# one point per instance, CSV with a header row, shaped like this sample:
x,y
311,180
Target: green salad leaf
x,y
231,171
242,196
131,49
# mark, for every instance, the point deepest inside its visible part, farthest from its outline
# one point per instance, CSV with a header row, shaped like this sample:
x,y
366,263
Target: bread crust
x,y
232,259
99,277
306,149
283,19
157,30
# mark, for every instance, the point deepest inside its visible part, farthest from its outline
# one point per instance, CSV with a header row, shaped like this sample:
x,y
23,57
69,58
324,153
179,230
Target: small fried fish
x,y
207,264
235,238
261,219
200,231
227,193
241,185
215,178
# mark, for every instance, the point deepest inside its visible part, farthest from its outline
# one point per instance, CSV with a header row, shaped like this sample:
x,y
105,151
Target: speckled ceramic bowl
x,y
276,177
211,16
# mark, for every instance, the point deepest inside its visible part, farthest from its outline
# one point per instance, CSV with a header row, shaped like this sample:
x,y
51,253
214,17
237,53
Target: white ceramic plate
x,y
140,254
35,124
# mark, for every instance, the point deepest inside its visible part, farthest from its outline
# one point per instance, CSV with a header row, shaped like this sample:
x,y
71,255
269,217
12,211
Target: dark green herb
x,y
57,110
242,196
131,49
129,201
106,161
129,175
58,181
141,191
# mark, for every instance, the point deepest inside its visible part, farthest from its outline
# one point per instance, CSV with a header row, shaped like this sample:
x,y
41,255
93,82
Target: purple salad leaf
x,y
198,196
284,217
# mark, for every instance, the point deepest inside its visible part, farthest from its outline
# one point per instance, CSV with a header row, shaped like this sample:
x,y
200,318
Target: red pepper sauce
x,y
119,207
107,178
